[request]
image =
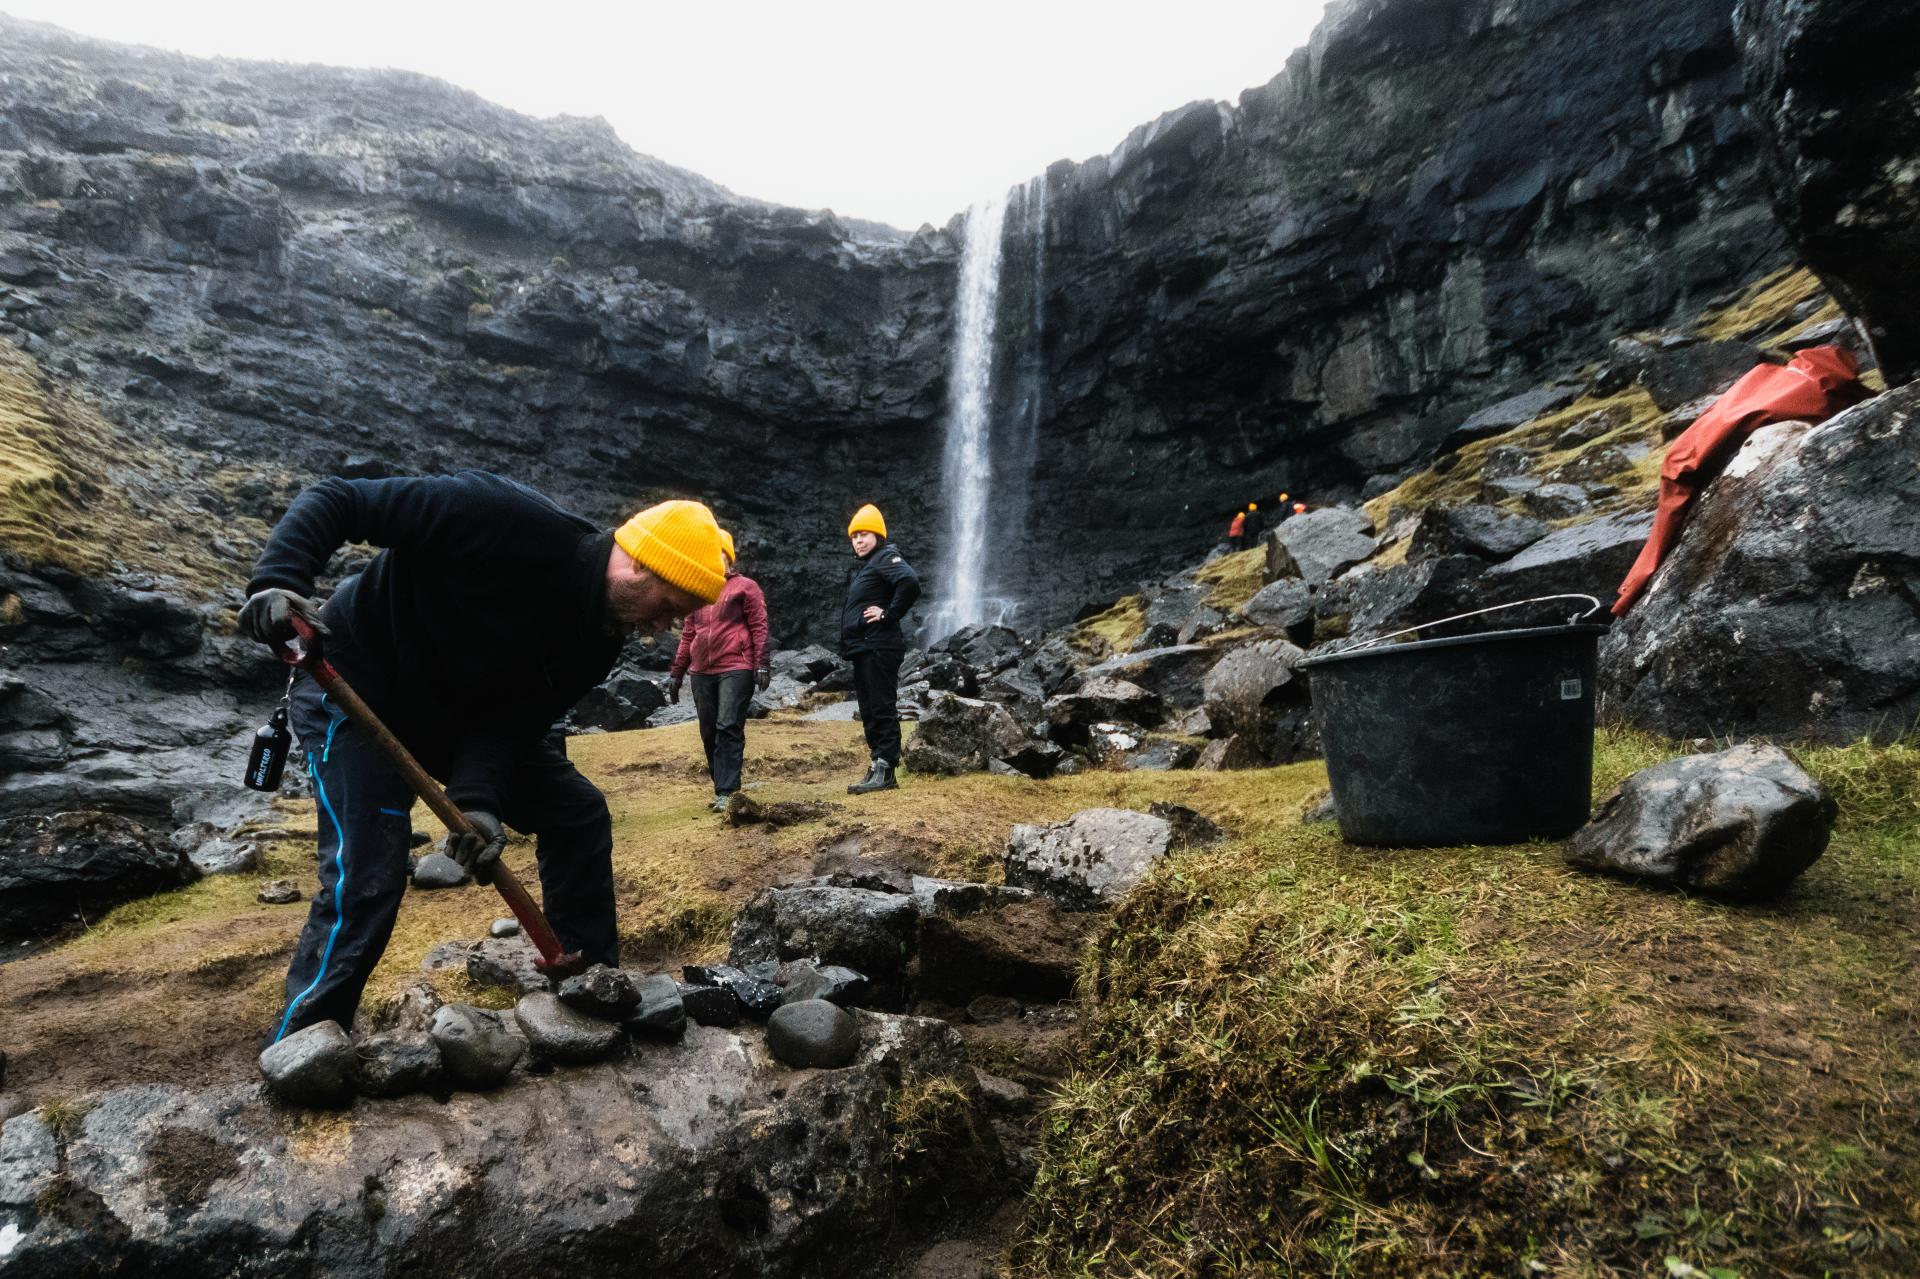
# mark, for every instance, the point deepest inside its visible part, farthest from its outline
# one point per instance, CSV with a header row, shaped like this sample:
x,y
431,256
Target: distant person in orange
x,y
1299,508
1237,531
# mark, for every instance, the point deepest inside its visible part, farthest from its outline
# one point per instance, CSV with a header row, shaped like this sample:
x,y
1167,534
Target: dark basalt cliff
x,y
288,271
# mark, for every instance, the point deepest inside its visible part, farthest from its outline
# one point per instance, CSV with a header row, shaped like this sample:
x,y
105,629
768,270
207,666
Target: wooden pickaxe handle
x,y
304,653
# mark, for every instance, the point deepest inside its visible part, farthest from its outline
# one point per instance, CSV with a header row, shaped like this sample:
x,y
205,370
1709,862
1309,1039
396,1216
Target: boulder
x,y
1257,692
1190,827
869,931
68,867
1071,716
1503,461
962,735
1484,531
1737,823
601,992
475,1045
812,1034
660,1012
1787,606
1320,545
562,1034
807,665
623,702
1089,861
1379,600
1285,605
397,1062
1589,558
311,1067
987,649
1171,673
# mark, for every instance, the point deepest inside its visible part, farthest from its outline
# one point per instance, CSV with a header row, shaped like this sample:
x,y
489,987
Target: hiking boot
x,y
879,777
719,804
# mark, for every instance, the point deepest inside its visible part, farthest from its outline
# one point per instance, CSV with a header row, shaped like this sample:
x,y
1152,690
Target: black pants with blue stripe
x,y
365,831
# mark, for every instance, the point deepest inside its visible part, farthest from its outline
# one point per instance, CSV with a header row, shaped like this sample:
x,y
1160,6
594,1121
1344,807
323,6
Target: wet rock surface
x,y
499,1184
1737,823
311,1067
475,1045
560,1033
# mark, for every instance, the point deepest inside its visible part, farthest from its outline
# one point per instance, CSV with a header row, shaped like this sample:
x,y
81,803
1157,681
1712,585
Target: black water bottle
x,y
269,757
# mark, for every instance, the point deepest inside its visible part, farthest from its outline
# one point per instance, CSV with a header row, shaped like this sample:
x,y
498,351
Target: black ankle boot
x,y
879,777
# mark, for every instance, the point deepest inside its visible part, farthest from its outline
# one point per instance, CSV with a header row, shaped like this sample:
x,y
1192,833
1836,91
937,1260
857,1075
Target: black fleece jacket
x,y
882,577
482,621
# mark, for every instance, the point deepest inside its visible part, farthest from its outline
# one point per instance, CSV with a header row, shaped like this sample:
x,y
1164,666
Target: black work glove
x,y
479,851
673,690
268,616
762,678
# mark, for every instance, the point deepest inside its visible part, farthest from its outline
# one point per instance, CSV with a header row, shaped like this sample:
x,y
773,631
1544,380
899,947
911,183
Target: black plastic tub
x,y
1476,739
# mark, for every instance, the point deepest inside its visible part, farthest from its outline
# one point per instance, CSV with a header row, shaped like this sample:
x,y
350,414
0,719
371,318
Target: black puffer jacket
x,y
482,621
882,577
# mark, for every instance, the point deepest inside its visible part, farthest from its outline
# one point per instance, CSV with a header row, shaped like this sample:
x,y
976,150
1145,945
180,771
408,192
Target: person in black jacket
x,y
883,587
489,613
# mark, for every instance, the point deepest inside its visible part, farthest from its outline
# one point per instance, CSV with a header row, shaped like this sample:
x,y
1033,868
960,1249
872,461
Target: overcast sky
x,y
885,109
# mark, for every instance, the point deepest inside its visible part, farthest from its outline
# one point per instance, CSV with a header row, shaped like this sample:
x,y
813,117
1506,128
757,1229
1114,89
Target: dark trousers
x,y
364,835
721,701
876,685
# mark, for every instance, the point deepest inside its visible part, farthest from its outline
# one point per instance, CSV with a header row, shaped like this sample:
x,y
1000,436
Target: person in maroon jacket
x,y
724,645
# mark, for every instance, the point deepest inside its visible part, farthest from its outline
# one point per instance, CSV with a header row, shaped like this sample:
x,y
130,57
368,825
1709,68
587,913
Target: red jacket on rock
x,y
729,634
1811,387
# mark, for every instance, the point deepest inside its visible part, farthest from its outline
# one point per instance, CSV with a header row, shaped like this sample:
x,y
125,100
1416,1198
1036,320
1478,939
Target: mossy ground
x,y
1310,1058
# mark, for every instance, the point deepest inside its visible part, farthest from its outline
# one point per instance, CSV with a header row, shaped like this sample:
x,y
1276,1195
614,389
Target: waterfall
x,y
967,470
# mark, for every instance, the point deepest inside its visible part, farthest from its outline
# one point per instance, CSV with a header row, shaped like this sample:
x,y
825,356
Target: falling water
x,y
968,468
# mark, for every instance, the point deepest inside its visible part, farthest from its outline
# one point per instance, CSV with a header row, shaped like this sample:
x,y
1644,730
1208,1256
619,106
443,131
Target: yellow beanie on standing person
x,y
867,520
679,543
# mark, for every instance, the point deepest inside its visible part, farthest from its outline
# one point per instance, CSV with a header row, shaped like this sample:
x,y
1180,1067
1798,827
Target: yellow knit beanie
x,y
679,543
726,544
867,520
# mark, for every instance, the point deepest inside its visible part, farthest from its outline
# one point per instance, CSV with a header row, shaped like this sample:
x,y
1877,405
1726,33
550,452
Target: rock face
x,y
1091,860
302,271
703,1158
1737,823
1838,104
1789,605
59,870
